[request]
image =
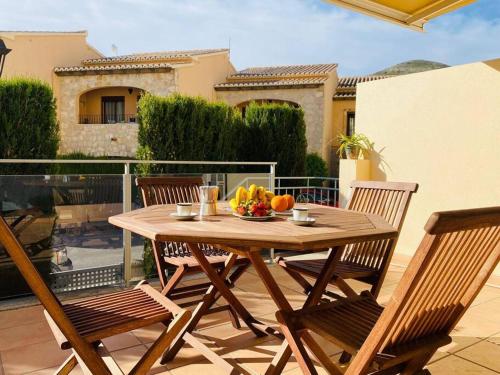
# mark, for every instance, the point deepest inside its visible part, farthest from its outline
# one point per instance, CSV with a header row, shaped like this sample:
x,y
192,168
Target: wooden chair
x,y
366,262
81,326
457,255
171,190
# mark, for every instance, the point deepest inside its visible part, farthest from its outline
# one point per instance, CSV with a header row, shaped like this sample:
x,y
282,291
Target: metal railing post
x,y
127,235
272,185
272,177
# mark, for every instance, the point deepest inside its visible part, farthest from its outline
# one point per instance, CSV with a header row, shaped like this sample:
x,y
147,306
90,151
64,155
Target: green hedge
x,y
276,132
187,128
28,125
316,166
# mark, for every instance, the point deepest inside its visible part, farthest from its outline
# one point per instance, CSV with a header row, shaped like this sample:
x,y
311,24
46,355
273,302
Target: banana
x,y
261,193
234,204
252,192
241,195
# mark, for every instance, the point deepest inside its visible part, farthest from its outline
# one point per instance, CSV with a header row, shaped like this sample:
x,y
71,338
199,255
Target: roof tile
x,y
104,68
282,71
281,83
346,88
152,56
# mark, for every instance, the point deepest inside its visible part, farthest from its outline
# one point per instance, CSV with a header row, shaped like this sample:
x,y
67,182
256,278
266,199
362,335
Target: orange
x,y
290,201
279,203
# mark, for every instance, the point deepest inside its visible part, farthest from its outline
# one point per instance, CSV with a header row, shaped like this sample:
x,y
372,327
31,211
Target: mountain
x,y
412,66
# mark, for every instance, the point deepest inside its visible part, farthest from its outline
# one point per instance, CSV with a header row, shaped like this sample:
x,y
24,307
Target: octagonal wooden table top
x,y
333,227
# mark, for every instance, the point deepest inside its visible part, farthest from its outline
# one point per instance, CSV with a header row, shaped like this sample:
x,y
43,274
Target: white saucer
x,y
303,223
284,213
183,218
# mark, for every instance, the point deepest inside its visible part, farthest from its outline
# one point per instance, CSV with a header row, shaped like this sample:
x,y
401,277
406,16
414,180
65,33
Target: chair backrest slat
x,y
389,200
453,262
170,190
48,299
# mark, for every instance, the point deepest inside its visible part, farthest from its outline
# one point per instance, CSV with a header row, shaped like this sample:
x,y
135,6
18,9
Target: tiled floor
x,y
27,345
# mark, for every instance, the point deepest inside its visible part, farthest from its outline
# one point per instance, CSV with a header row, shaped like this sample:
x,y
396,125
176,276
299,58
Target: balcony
x,y
108,119
67,235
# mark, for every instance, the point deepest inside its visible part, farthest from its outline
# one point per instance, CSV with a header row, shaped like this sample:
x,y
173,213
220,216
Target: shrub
x,y
28,125
276,132
316,166
186,128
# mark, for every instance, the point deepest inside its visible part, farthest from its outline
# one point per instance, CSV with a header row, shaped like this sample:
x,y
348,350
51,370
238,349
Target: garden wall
x,y
440,129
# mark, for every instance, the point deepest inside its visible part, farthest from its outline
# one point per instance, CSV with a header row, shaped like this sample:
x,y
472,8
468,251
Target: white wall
x,y
440,129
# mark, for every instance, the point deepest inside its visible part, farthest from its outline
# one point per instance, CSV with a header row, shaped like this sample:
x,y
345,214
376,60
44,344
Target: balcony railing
x,y
108,119
62,220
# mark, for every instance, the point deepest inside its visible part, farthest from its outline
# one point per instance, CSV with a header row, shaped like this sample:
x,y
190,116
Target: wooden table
x,y
334,228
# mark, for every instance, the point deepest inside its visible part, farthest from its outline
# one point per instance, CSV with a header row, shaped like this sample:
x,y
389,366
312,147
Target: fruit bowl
x,y
259,204
255,218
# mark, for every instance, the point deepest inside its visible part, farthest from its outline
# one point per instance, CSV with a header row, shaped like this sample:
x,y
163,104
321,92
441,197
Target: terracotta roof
x,y
291,76
110,69
152,56
282,71
346,88
353,81
271,83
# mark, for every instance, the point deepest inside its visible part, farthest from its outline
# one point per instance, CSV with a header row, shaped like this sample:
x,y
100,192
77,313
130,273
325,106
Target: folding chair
x,y
81,326
453,262
176,255
367,262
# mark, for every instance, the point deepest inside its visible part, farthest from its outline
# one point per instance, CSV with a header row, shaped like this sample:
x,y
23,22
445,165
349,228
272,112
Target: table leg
x,y
279,298
218,281
200,310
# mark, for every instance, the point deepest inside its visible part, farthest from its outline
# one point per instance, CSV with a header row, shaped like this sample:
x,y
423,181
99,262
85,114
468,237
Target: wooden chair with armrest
x,y
80,326
367,262
176,255
457,255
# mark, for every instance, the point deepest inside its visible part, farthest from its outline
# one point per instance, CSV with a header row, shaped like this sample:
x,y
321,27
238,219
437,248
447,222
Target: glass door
x,y
113,109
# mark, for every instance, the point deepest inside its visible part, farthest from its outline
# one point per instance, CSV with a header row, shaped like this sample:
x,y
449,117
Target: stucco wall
x,y
118,139
310,99
440,129
36,54
328,135
199,77
339,117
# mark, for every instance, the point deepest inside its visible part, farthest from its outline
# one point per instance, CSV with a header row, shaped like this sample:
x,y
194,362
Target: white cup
x,y
300,213
184,209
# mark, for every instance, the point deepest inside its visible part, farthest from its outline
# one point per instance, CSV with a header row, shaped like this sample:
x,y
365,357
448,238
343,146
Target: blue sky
x,y
265,32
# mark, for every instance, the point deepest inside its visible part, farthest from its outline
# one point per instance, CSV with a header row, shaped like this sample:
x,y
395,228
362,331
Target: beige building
x,y
308,86
97,95
441,129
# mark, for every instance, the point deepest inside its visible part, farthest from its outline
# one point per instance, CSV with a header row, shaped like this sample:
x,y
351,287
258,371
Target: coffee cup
x,y
300,213
184,209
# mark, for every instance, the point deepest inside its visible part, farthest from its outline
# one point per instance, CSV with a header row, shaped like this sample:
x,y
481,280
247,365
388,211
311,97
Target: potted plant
x,y
353,145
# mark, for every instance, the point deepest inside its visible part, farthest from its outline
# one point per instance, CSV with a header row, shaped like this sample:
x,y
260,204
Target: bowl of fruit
x,y
259,204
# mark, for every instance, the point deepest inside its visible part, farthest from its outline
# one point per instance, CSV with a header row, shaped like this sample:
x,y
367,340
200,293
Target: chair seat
x,y
112,314
345,270
346,323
